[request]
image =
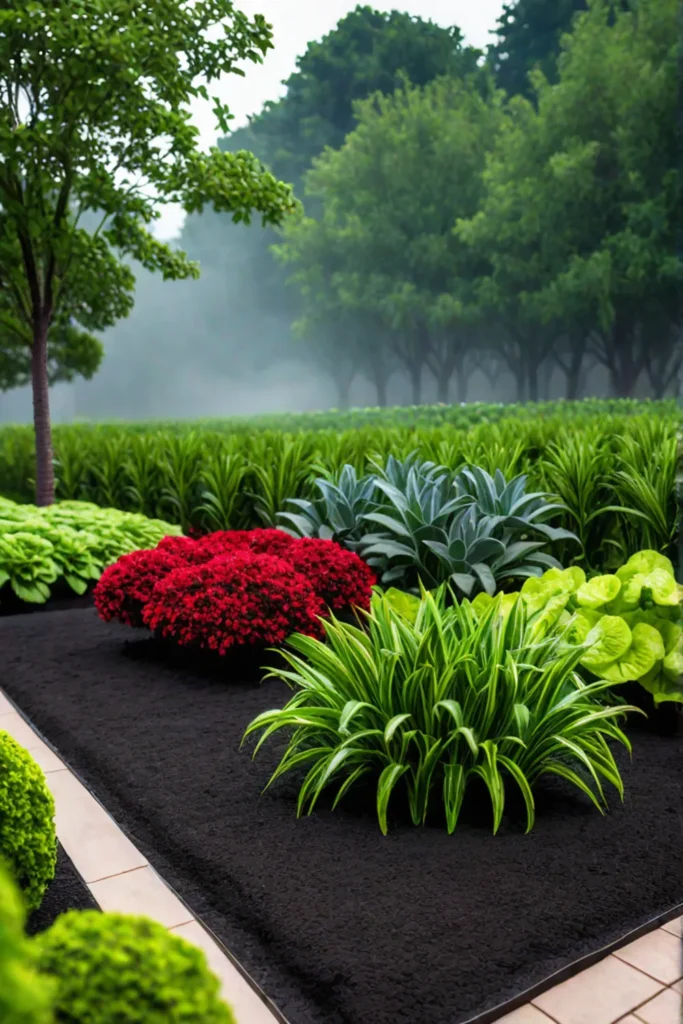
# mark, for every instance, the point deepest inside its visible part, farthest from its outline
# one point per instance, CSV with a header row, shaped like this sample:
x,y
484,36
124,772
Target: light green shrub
x,y
24,997
27,831
116,969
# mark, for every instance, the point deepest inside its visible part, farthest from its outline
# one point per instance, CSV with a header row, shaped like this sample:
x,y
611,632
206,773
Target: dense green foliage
x,y
71,541
455,229
615,473
27,831
116,969
633,620
96,102
24,997
439,702
419,524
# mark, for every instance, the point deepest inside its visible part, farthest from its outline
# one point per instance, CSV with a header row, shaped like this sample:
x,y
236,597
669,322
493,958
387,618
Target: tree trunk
x,y
532,381
381,386
416,384
45,478
343,391
461,386
547,371
623,378
574,375
521,382
442,383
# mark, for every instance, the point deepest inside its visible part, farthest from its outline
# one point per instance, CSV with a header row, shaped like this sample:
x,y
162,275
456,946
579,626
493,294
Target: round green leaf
x,y
646,649
598,592
609,640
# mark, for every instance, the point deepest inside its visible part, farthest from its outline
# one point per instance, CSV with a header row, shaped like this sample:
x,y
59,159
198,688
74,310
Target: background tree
x,y
582,205
528,37
384,240
95,118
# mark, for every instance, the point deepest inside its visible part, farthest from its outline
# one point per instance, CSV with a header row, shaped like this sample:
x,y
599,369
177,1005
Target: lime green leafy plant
x,y
631,620
24,997
72,540
439,701
115,969
27,831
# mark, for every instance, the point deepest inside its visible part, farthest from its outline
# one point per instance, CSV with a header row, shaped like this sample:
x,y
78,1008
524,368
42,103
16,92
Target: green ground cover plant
x,y
632,619
436,701
71,541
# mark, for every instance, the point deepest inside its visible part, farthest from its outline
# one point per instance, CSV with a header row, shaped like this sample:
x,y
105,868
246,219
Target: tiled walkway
x,y
641,983
118,875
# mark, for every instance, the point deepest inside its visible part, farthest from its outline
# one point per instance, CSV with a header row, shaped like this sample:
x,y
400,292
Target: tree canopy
x,y
95,118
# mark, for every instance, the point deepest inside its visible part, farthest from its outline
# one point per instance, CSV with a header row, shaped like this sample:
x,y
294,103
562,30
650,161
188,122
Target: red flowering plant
x,y
236,600
342,579
234,587
261,542
124,588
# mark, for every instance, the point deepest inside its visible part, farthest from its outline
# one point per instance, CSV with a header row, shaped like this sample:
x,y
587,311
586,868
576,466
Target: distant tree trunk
x,y
379,376
574,373
461,385
343,379
547,371
442,385
415,374
521,381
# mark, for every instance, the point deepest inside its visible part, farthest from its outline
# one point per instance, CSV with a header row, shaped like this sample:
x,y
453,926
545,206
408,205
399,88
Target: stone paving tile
x,y
658,954
92,839
5,706
19,730
665,1008
141,892
602,994
247,1006
675,926
46,758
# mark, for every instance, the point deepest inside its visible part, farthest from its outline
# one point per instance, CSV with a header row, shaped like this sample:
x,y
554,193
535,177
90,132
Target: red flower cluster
x,y
338,576
235,600
125,587
234,587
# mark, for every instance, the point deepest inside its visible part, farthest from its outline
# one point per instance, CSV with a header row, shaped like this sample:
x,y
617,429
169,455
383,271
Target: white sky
x,y
295,23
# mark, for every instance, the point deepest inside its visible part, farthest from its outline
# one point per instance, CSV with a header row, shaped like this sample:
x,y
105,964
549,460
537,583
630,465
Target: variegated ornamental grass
x,y
435,703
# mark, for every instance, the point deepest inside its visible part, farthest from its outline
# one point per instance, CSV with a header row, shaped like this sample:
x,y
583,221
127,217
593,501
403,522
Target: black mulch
x,y
338,924
67,891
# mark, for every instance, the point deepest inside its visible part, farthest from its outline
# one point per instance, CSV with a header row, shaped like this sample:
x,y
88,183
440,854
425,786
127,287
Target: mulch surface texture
x,y
338,924
67,891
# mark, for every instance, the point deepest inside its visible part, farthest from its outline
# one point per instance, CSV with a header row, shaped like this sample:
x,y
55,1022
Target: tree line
x,y
458,228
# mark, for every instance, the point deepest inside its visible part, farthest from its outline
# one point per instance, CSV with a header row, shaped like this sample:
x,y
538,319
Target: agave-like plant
x,y
337,514
408,519
475,534
437,702
509,505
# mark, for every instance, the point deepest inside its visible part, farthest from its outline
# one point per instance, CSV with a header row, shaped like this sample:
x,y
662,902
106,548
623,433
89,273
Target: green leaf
x,y
598,592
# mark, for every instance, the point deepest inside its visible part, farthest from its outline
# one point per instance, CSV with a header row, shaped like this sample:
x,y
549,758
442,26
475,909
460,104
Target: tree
x,y
368,52
384,242
94,118
528,38
583,201
70,353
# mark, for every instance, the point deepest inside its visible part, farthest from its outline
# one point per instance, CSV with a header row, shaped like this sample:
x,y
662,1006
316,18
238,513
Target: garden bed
x,y
67,891
336,923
